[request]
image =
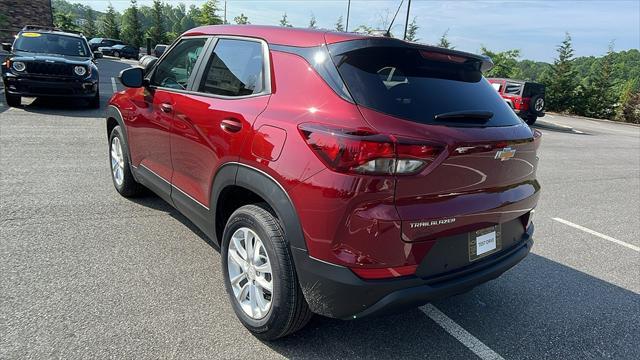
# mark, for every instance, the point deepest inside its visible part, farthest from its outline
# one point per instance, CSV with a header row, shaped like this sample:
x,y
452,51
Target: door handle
x,y
231,125
167,108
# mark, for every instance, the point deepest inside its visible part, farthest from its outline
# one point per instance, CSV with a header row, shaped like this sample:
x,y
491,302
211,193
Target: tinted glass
x,y
235,69
513,89
51,44
418,85
176,68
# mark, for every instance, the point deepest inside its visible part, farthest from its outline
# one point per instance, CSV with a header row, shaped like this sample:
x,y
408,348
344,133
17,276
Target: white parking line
x,y
113,84
602,236
462,335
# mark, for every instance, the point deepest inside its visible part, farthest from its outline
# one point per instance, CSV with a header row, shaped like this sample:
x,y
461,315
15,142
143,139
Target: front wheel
x,y
116,54
121,174
259,275
94,103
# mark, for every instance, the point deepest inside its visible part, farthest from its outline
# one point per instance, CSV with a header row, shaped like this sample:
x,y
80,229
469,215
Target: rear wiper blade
x,y
465,115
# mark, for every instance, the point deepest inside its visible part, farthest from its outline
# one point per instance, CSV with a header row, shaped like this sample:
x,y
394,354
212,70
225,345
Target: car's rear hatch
x,y
484,173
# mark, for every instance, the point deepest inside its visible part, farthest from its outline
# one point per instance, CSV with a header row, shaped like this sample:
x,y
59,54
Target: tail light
x,y
363,151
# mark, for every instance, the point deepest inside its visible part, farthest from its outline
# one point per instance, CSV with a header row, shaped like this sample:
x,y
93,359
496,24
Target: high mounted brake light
x,y
363,151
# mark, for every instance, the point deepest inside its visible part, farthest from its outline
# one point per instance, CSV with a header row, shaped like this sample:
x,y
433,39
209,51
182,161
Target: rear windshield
x,y
416,85
51,44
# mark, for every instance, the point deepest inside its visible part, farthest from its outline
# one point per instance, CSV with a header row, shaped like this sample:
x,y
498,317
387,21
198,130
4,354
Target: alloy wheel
x,y
117,161
250,273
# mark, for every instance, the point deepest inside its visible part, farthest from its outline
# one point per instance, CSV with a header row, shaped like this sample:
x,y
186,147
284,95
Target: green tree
x,y
156,32
241,19
131,26
110,26
364,29
561,80
444,41
89,25
339,25
505,63
313,23
209,13
284,22
601,99
629,108
64,21
412,31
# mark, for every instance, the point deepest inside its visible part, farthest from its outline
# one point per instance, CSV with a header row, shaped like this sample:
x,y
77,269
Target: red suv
x,y
340,174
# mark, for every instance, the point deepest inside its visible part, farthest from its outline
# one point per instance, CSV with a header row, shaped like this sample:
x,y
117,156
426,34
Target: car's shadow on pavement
x,y
148,199
540,309
68,107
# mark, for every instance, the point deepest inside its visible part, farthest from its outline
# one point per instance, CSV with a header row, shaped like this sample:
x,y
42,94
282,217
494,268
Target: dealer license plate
x,y
484,242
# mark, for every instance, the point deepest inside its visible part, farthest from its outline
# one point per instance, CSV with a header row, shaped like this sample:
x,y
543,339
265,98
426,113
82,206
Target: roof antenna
x,y
388,33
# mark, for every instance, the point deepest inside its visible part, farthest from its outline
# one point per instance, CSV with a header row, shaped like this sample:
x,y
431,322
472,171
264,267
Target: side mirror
x,y
6,47
132,77
97,54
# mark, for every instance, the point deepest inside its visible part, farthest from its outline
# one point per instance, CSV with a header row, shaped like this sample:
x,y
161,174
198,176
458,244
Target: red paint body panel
x,y
198,143
359,221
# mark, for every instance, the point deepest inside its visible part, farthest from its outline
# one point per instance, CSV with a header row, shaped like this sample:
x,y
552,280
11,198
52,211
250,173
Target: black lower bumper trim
x,y
335,291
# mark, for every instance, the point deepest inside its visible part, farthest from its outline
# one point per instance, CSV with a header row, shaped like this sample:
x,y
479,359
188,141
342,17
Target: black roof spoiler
x,y
486,62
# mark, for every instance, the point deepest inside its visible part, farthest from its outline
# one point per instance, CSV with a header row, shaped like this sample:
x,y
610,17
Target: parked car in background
x,y
96,43
121,51
526,98
159,49
381,174
47,62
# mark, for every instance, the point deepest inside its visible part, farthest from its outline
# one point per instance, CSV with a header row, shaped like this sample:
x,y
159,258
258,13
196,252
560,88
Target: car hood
x,y
29,56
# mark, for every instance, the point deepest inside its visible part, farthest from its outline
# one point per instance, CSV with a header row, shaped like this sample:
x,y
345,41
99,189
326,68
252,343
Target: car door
x,y
212,122
149,129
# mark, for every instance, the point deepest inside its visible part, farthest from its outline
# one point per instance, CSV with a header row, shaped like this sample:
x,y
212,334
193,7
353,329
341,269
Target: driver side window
x,y
176,68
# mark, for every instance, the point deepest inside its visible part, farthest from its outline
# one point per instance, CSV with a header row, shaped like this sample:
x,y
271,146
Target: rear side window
x,y
416,85
175,69
513,89
236,68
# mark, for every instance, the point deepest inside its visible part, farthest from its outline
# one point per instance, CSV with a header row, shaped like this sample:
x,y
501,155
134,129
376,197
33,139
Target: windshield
x,y
51,44
417,84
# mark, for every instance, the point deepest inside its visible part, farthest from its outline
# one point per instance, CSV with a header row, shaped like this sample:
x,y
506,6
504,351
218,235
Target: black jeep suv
x,y
48,62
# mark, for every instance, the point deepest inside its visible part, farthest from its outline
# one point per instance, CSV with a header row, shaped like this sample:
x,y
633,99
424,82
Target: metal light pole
x,y
406,23
346,28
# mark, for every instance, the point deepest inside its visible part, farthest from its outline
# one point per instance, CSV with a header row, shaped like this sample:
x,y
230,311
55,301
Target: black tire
x,y
129,187
531,119
116,54
537,101
12,100
94,103
289,311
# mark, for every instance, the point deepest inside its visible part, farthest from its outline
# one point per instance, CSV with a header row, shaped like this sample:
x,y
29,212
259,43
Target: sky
x,y
534,27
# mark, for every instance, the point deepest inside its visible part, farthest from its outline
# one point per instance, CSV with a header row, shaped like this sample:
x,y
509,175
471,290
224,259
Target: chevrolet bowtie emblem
x,y
505,154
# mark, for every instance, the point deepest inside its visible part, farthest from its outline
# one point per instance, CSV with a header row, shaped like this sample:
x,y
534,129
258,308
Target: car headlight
x,y
19,66
80,70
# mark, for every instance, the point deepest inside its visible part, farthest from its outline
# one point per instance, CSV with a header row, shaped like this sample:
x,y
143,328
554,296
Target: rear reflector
x,y
385,273
363,151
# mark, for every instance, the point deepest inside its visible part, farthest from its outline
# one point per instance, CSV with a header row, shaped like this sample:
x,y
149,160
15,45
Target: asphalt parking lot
x,y
85,273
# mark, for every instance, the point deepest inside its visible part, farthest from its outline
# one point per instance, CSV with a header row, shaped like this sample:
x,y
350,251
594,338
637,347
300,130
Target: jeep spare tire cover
x,y
537,105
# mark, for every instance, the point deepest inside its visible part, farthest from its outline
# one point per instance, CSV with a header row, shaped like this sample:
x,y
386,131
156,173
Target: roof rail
x,y
39,27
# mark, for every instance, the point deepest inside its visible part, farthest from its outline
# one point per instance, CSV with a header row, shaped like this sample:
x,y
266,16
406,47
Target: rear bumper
x,y
55,87
525,113
335,291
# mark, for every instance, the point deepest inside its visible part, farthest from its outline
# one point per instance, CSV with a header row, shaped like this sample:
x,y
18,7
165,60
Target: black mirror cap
x,y
97,54
132,77
6,47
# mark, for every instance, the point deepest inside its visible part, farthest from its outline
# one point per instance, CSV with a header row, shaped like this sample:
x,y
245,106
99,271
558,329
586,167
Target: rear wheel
x,y
259,274
121,174
116,54
12,100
